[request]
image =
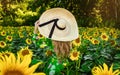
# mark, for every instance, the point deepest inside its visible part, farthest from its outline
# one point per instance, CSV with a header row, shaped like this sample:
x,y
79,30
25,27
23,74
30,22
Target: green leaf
x,y
34,61
117,56
49,43
88,57
86,67
116,65
100,61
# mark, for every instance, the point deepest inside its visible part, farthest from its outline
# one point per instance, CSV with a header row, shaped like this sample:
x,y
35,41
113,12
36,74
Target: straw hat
x,y
58,24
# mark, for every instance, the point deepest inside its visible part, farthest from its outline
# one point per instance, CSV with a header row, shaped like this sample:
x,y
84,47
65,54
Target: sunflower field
x,y
95,52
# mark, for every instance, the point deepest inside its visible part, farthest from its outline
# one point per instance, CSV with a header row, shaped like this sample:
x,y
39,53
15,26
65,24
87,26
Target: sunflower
x,y
9,38
90,38
104,36
12,32
112,42
115,36
84,33
76,42
3,33
40,36
112,31
15,66
85,37
21,35
28,41
2,44
104,70
95,41
25,51
96,34
74,55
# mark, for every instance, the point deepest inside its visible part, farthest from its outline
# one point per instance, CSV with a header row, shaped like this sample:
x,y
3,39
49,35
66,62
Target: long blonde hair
x,y
62,48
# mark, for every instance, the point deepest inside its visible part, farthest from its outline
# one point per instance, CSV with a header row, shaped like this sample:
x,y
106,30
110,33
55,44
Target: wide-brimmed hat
x,y
58,24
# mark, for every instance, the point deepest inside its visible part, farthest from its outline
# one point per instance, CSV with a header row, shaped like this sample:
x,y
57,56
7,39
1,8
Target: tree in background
x,y
17,13
88,13
110,12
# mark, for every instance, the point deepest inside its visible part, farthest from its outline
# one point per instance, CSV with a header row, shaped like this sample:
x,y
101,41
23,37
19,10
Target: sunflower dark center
x,y
104,36
29,41
96,33
3,32
13,72
95,41
9,37
112,42
2,43
40,35
75,54
77,40
90,38
25,52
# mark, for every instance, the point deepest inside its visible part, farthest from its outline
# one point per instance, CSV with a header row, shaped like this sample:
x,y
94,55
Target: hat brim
x,y
71,30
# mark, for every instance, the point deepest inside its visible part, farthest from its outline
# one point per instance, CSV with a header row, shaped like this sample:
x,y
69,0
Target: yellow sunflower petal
x,y
33,68
26,61
111,69
116,72
105,67
104,70
10,65
12,59
100,68
39,74
18,59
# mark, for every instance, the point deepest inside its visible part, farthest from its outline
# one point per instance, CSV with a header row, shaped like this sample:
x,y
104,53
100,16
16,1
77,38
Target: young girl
x,y
59,25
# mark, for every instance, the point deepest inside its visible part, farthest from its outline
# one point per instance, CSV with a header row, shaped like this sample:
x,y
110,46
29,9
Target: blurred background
x,y
98,41
88,13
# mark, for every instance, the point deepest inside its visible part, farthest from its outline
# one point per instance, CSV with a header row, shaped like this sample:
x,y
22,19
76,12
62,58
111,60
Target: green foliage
x,y
91,54
15,13
26,12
